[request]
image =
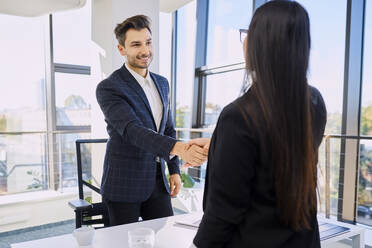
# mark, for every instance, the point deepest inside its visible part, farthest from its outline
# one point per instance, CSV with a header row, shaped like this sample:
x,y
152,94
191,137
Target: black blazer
x,y
239,198
129,171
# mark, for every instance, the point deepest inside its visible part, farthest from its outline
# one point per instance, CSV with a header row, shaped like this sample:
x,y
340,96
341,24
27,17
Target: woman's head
x,y
277,56
278,40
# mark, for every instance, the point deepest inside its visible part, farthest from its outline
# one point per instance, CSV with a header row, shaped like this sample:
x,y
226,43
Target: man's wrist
x,y
177,149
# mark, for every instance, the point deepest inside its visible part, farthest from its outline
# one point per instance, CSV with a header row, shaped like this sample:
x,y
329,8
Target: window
x,y
224,21
186,35
22,105
66,159
230,83
22,66
364,211
22,168
326,73
326,69
74,95
74,90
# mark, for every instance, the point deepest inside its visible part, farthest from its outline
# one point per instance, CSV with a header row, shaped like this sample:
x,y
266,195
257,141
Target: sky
x,y
326,58
22,59
22,65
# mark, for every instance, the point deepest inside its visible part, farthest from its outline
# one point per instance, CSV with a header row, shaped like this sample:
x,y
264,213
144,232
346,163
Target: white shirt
x,y
152,95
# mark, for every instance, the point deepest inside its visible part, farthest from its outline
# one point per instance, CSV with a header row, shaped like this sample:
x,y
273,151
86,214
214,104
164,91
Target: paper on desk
x,y
191,220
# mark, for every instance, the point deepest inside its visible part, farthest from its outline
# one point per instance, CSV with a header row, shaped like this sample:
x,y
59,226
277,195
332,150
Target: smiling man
x,y
135,103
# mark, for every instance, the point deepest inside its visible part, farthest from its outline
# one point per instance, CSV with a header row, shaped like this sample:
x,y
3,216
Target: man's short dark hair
x,y
137,22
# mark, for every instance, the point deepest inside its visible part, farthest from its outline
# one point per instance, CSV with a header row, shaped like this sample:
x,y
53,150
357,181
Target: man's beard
x,y
134,63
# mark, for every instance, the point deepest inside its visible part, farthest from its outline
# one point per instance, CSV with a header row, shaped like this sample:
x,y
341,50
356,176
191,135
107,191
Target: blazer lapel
x,y
128,77
162,97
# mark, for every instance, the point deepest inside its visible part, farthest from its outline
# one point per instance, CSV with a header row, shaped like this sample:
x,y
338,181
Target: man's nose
x,y
145,50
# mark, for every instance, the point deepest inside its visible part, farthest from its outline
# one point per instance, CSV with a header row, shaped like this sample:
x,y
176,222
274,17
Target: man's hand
x,y
174,184
193,155
202,142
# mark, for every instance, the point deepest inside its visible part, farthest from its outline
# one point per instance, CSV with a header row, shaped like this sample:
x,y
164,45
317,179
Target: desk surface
x,y
168,233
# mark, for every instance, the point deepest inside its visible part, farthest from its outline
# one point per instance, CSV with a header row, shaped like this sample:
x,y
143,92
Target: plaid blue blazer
x,y
129,172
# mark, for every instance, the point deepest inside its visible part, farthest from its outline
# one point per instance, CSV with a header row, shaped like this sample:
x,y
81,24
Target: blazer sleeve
x,y
121,116
230,172
173,164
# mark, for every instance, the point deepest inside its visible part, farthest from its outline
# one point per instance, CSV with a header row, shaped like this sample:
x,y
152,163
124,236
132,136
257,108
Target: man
x,y
135,103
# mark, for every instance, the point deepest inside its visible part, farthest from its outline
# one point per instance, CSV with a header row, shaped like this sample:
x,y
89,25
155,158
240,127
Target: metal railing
x,y
206,71
327,139
48,168
327,142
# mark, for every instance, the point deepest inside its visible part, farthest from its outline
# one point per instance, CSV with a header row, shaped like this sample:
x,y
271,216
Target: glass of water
x,y
141,238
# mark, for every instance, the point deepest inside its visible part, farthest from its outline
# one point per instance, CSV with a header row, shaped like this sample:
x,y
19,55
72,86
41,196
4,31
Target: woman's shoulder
x,y
315,96
317,100
235,108
238,113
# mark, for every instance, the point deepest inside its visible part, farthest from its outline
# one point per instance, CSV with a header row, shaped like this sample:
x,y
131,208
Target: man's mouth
x,y
144,59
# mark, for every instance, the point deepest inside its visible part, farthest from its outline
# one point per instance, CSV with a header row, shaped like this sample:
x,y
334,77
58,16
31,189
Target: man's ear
x,y
121,50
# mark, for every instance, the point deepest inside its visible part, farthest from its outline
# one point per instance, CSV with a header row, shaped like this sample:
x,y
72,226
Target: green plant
x,y
186,179
36,182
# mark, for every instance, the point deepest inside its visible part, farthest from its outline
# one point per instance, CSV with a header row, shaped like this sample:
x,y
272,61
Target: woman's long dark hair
x,y
277,57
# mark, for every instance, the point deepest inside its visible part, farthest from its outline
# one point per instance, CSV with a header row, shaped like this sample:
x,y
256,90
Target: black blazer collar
x,y
132,82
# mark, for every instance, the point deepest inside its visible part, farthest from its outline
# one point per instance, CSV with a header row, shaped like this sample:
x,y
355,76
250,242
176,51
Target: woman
x,y
261,179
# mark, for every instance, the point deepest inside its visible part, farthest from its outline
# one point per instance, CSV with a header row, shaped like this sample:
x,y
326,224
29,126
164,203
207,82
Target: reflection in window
x,y
74,95
66,159
23,169
230,83
22,67
364,210
225,19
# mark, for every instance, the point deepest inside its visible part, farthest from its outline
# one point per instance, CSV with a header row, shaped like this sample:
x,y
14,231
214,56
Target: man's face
x,y
138,48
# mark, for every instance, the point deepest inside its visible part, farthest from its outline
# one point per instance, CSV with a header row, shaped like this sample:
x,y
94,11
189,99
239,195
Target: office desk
x,y
168,235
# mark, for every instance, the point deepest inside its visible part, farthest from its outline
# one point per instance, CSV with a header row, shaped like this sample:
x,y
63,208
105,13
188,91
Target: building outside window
x,y
364,209
22,105
29,160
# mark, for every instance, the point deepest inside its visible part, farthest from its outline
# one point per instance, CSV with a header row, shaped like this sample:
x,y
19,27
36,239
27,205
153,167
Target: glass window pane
x,y
326,69
72,36
326,73
366,121
225,19
335,145
215,101
74,95
21,168
22,69
186,36
364,211
66,159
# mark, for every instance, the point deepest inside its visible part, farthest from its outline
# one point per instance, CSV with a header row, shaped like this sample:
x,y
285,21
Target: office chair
x,y
87,212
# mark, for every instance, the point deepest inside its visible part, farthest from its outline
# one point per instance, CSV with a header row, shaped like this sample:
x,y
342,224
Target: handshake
x,y
194,153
